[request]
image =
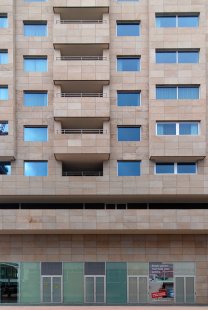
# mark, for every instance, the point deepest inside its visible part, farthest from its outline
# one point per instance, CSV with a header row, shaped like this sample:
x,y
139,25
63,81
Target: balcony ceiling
x,y
78,13
81,49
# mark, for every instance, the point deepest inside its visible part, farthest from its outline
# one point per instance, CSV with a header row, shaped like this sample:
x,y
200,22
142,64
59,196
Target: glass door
x,y
185,289
52,289
137,289
95,289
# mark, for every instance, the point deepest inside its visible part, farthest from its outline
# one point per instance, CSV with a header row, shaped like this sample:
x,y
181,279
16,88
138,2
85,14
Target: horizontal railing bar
x,y
81,95
81,58
81,131
81,21
82,173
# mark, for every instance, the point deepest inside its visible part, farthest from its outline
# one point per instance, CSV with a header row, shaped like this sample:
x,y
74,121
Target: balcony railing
x,y
81,131
81,58
82,21
81,95
82,173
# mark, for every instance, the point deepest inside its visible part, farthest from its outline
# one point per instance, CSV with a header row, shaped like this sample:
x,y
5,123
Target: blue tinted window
x,y
165,57
37,99
129,168
128,64
188,21
128,99
165,21
33,64
164,168
3,57
5,168
128,133
188,57
163,92
186,168
128,29
36,134
4,94
35,29
3,21
187,128
35,168
4,128
191,92
165,129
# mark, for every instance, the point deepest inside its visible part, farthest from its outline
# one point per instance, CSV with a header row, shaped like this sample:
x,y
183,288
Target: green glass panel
x,y
30,283
73,283
138,269
116,279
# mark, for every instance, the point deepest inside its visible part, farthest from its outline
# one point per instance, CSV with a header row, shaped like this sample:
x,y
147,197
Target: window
x,y
4,94
177,92
35,28
180,128
128,63
129,133
35,168
3,57
94,278
175,168
125,28
35,64
5,168
128,98
128,168
3,20
35,98
183,56
34,133
4,128
181,20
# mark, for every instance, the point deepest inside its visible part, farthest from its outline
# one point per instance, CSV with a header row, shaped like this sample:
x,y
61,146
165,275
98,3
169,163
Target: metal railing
x,y
81,58
82,173
80,131
81,21
81,95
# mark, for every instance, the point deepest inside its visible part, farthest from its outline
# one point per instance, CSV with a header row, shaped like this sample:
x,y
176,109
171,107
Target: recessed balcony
x,y
86,25
81,99
82,167
92,141
81,68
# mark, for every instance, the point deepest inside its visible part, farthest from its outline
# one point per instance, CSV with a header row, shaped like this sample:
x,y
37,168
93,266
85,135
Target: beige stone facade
x,y
66,215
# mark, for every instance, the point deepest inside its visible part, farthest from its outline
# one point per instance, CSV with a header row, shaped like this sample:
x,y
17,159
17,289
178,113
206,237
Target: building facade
x,y
103,142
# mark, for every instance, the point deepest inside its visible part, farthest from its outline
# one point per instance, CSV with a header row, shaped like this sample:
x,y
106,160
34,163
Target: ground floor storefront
x,y
103,270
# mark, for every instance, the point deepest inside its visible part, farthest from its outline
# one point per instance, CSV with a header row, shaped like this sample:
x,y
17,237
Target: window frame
x,y
35,23
130,57
4,51
177,52
34,92
35,58
175,168
129,126
122,176
35,126
35,161
177,87
178,128
129,92
177,15
128,22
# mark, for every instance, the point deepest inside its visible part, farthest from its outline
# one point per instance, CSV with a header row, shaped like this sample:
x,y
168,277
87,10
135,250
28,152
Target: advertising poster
x,y
161,282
